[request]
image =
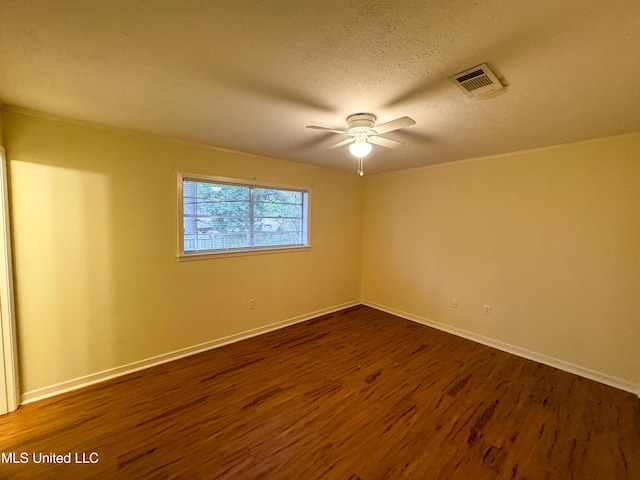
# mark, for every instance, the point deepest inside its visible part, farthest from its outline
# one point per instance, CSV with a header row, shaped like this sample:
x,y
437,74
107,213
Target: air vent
x,y
478,82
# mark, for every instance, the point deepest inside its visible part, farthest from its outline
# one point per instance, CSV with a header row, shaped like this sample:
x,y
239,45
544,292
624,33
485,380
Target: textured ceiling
x,y
250,75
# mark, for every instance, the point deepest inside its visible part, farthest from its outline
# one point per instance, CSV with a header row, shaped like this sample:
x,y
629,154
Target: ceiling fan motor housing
x,y
361,122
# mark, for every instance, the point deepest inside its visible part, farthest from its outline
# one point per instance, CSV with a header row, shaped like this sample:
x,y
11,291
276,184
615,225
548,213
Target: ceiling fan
x,y
363,133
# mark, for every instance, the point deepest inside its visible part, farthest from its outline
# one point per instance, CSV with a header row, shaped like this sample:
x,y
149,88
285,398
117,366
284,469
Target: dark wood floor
x,y
359,394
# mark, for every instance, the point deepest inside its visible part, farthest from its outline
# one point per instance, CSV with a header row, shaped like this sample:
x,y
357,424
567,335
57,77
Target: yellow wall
x,y
98,285
550,239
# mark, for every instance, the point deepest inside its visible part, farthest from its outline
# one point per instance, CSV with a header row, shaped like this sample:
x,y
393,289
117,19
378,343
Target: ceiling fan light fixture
x,y
363,133
360,147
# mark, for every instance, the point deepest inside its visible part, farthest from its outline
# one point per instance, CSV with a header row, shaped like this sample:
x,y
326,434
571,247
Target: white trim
x,y
180,205
556,146
190,257
520,352
241,181
76,383
165,138
8,345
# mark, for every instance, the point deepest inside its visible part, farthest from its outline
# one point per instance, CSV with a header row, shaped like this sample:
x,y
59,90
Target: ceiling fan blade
x,y
394,125
340,144
385,142
341,132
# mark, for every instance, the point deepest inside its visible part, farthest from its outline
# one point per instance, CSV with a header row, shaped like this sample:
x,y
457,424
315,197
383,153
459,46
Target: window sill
x,y
190,257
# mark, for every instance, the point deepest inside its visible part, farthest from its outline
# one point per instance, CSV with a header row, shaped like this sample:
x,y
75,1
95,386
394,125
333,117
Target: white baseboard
x,y
74,384
521,352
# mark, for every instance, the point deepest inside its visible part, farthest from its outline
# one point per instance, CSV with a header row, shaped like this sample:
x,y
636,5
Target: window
x,y
222,215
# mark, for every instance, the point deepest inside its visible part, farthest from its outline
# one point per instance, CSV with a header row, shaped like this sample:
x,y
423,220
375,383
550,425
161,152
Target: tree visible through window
x,y
229,216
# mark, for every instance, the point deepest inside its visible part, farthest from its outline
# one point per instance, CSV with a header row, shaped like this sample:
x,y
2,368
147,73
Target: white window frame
x,y
201,255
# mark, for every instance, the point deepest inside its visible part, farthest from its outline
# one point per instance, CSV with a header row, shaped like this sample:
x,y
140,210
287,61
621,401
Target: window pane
x,y
272,239
278,210
221,191
218,233
277,196
270,224
226,208
278,231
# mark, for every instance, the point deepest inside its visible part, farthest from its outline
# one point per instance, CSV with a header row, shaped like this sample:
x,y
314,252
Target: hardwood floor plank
x,y
358,394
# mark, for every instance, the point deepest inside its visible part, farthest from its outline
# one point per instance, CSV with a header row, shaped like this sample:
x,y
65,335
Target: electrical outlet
x,y
252,303
487,310
454,302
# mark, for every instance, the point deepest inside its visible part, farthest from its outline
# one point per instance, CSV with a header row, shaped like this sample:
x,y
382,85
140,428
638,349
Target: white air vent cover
x,y
478,81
